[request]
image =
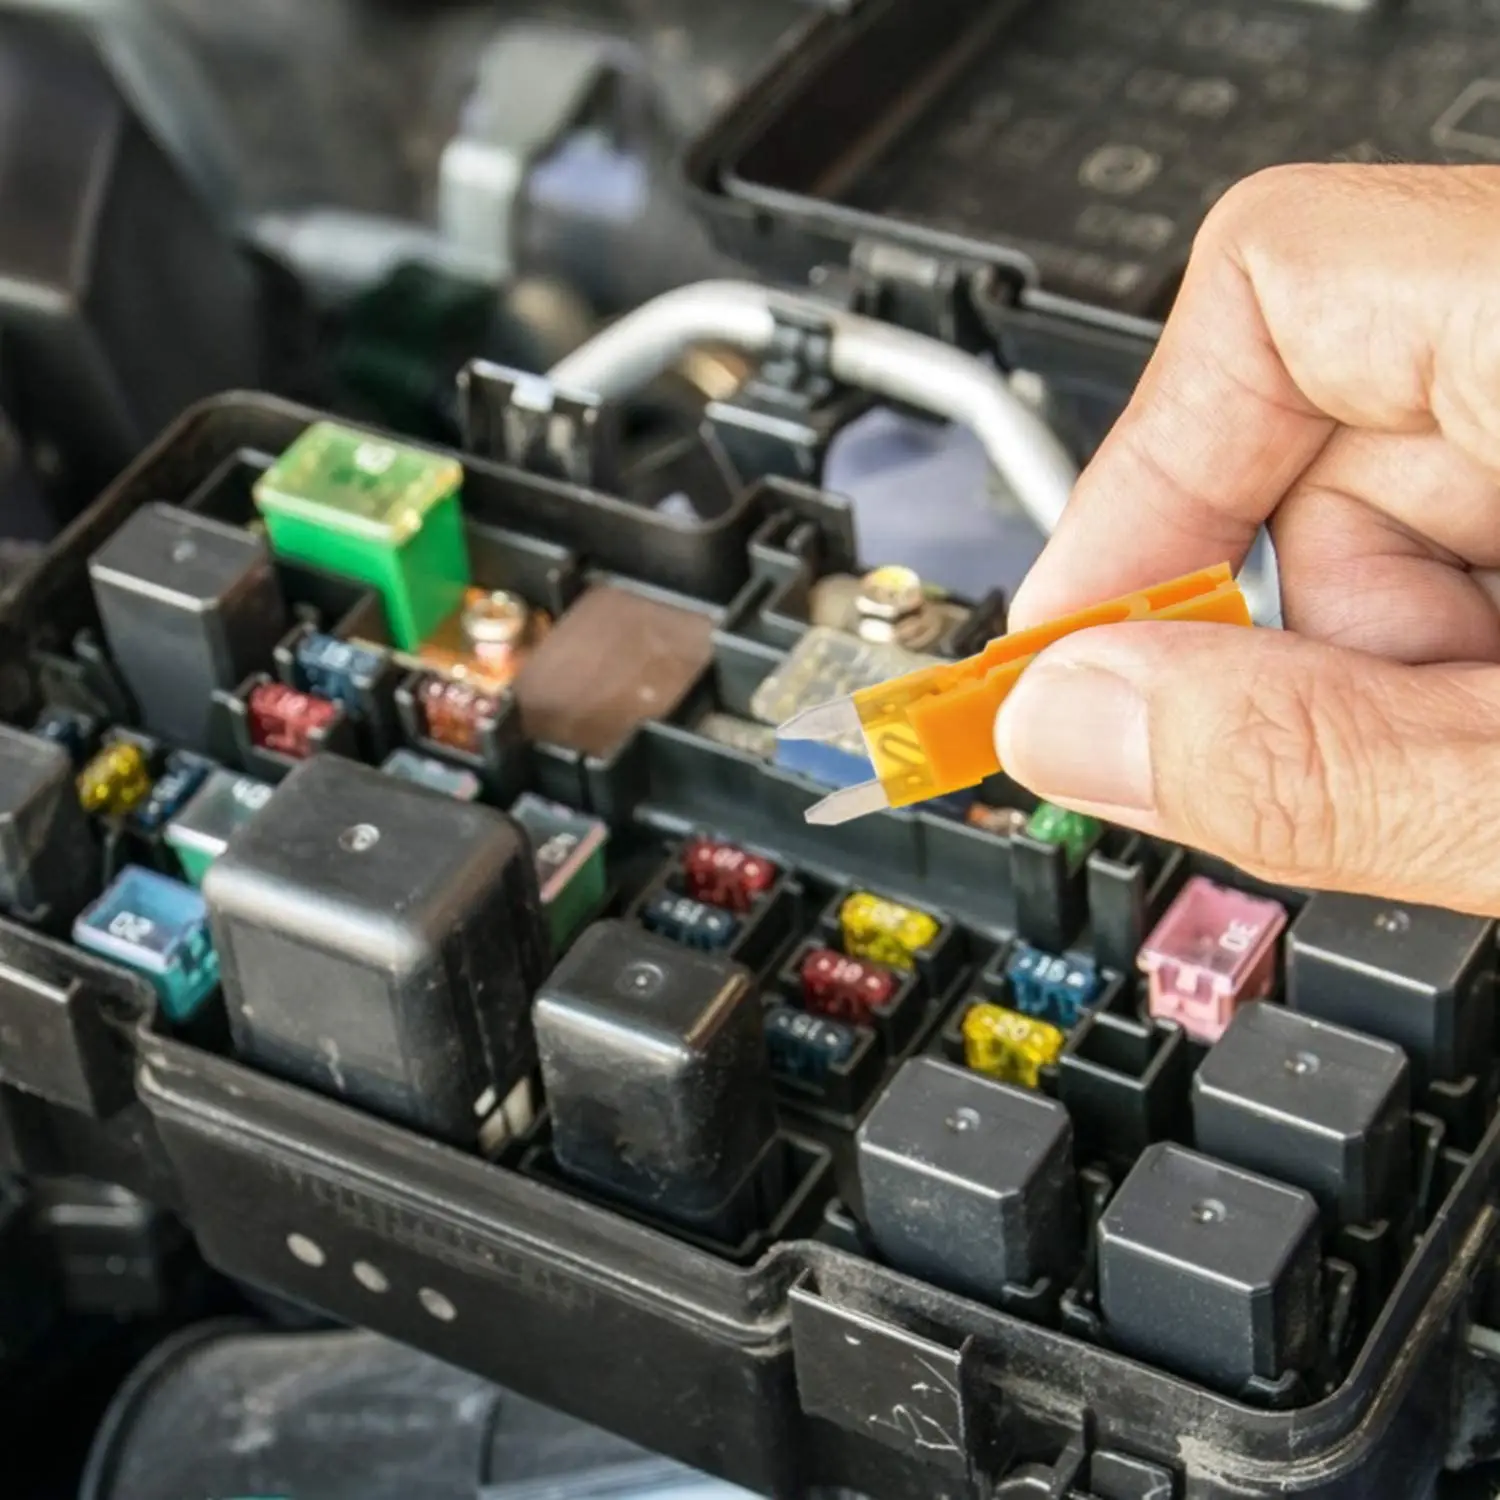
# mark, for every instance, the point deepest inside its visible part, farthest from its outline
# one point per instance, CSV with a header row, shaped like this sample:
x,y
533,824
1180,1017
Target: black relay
x,y
655,1069
967,1181
382,944
1414,975
1311,1104
188,605
1209,1269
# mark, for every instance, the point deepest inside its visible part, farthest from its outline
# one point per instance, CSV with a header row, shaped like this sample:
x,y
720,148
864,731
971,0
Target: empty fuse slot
x,y
1125,1083
1130,880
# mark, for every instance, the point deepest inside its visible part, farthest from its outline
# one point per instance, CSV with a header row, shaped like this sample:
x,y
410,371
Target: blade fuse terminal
x,y
931,732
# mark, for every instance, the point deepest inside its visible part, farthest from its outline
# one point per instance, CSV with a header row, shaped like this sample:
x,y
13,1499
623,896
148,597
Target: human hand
x,y
1332,367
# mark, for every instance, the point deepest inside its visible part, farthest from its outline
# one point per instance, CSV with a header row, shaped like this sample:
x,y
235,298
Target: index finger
x,y
1313,295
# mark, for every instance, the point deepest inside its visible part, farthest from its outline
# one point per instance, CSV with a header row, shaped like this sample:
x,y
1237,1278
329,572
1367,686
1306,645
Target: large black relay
x,y
977,1148
381,944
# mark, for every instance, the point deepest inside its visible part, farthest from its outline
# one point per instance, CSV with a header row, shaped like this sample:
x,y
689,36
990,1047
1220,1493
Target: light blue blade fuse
x,y
158,927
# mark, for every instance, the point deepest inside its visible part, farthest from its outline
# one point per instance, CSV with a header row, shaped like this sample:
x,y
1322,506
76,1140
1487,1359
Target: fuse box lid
x,y
1077,144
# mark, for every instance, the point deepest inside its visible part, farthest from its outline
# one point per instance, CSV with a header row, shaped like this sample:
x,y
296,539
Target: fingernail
x,y
1077,733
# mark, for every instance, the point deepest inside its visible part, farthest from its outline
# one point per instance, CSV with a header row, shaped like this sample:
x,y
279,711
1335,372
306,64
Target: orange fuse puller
x,y
931,732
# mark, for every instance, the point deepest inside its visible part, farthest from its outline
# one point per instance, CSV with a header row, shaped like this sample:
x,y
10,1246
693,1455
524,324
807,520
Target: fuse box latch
x,y
924,293
524,420
898,1388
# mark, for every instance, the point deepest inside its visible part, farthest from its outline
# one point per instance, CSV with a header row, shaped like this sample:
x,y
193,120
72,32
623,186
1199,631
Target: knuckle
x,y
1248,211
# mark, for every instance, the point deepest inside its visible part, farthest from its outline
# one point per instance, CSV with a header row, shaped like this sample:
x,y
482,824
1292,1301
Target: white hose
x,y
887,361
634,350
936,378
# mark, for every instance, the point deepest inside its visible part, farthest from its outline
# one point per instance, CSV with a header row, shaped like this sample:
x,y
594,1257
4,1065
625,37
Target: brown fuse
x,y
613,661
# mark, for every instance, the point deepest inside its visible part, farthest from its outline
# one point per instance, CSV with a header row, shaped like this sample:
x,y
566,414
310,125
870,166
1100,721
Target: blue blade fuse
x,y
158,927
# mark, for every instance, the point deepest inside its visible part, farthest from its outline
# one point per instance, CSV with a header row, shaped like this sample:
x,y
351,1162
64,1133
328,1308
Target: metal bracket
x,y
526,421
535,83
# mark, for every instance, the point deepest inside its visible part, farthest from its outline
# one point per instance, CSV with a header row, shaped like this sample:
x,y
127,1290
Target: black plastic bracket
x,y
55,1040
527,422
886,1383
926,293
784,417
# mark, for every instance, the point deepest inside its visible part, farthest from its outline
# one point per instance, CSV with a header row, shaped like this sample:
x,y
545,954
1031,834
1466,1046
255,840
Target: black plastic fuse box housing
x,y
781,1347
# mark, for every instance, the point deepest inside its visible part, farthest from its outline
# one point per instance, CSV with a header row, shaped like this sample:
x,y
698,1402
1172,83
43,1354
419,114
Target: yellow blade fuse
x,y
931,732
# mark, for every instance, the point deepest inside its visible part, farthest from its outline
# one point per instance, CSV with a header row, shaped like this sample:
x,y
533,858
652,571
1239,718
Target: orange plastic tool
x,y
931,732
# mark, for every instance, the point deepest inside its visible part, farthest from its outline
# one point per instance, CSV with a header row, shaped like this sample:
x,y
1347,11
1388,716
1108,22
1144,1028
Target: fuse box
x,y
1088,1166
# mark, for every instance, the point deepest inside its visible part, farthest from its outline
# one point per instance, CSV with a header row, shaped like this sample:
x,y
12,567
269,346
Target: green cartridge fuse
x,y
569,849
383,513
1076,832
201,831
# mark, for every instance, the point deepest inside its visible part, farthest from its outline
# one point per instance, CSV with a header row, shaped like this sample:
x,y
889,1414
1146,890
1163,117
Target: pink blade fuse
x,y
1213,950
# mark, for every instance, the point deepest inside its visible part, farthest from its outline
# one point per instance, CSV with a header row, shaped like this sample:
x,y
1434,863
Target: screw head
x,y
494,620
890,593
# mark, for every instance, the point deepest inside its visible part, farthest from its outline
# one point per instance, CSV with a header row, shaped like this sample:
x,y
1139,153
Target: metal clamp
x,y
535,84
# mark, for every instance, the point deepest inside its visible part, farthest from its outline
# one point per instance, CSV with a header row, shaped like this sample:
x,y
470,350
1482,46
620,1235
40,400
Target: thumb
x,y
1299,762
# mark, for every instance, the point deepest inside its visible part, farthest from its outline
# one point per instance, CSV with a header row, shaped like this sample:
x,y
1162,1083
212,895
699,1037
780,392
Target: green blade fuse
x,y
1075,832
383,513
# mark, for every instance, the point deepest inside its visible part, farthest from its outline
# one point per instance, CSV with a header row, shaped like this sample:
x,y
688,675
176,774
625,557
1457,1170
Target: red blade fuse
x,y
844,989
724,875
1213,951
287,721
